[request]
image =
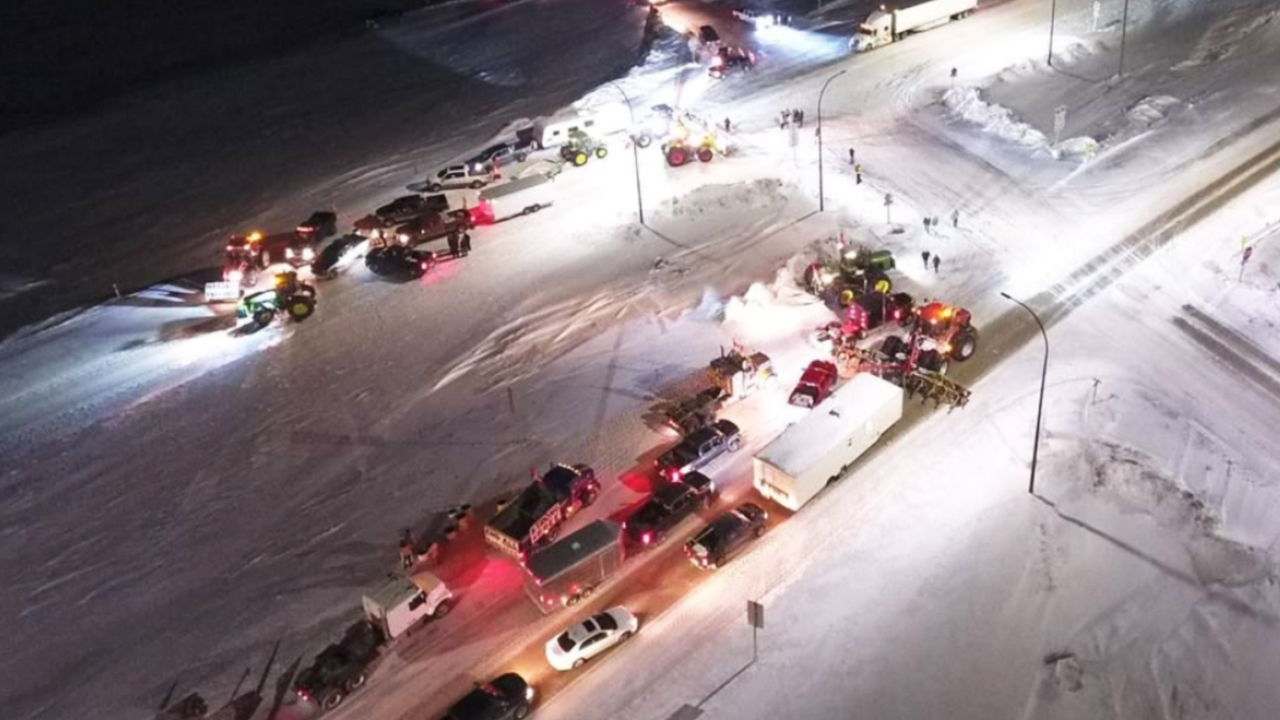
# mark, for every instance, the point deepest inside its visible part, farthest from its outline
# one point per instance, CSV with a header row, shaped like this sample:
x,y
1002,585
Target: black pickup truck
x,y
341,668
670,503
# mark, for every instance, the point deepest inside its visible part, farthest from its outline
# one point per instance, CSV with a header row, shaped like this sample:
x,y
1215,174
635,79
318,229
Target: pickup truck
x,y
698,449
534,517
432,226
669,504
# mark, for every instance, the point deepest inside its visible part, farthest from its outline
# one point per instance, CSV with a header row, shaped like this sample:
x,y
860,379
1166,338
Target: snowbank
x,y
966,104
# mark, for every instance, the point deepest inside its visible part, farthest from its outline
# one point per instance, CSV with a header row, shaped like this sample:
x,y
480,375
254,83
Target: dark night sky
x,y
63,56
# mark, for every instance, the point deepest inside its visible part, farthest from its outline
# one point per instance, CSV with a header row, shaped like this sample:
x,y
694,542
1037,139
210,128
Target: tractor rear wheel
x,y
882,284
676,157
963,347
579,158
705,154
893,346
301,307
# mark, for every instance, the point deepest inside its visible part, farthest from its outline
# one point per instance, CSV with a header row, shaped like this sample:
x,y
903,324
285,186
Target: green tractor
x,y
289,296
580,147
858,270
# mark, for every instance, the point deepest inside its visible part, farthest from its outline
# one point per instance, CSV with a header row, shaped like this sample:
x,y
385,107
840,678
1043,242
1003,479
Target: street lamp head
x,y
1005,295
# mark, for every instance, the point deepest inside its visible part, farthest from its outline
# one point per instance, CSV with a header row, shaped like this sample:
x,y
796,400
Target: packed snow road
x,y
258,499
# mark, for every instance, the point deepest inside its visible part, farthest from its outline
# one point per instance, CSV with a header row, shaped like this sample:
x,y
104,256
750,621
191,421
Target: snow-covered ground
x,y
176,500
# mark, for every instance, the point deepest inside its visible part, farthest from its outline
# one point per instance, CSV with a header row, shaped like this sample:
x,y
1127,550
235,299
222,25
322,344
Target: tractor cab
x,y
243,257
940,320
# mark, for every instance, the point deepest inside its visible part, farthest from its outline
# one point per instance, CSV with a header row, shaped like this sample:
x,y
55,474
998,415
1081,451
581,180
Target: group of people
x,y
791,117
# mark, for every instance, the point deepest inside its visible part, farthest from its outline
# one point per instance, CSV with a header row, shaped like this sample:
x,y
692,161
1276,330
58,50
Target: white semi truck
x,y
820,448
887,25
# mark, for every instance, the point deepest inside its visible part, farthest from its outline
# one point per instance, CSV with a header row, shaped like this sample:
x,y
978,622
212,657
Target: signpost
x,y
1097,10
1059,123
888,205
221,292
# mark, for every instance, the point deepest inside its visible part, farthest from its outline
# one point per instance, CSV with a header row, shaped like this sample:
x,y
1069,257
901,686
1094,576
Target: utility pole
x,y
1044,373
635,150
822,196
1124,33
1053,16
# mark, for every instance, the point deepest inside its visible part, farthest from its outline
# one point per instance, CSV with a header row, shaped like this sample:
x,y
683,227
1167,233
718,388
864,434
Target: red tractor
x,y
950,328
817,382
874,309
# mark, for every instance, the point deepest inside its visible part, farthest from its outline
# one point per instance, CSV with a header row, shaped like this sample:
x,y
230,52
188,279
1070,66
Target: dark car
x,y
731,60
699,448
711,547
340,668
669,504
402,209
320,225
499,155
508,697
338,255
397,262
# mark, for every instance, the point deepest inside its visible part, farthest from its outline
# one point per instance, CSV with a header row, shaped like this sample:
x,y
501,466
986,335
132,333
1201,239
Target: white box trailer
x,y
399,602
887,25
520,196
820,447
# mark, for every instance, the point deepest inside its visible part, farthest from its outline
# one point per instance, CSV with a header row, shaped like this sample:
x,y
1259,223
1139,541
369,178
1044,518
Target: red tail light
x,y
425,264
646,538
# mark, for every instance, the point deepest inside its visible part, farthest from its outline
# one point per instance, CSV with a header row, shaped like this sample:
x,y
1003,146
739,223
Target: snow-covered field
x,y
177,500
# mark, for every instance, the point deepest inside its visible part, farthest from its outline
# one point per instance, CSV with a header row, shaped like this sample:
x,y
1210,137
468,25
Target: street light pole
x,y
635,150
1053,16
822,196
1044,372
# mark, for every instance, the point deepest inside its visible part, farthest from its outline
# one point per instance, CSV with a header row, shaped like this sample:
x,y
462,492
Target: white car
x,y
580,643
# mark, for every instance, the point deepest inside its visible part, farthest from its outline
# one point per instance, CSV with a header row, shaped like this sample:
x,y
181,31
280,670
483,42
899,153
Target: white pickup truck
x,y
885,26
820,448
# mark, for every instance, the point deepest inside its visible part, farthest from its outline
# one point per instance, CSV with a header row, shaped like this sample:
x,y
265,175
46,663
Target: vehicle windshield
x,y
684,454
606,621
565,642
650,513
866,30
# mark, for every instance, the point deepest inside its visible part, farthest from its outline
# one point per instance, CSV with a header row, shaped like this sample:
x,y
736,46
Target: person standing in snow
x,y
726,125
799,116
852,157
465,243
857,173
926,229
955,218
925,256
406,549
453,244
936,262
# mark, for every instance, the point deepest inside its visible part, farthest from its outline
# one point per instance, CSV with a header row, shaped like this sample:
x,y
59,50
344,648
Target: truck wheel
x,y
356,682
551,535
758,531
964,347
521,157
579,158
735,443
301,307
602,152
521,712
262,317
331,700
477,184
573,600
531,209
441,610
643,141
579,663
589,497
705,154
331,274
588,591
435,187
